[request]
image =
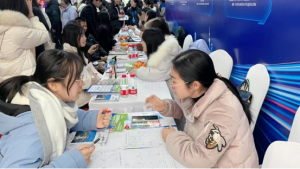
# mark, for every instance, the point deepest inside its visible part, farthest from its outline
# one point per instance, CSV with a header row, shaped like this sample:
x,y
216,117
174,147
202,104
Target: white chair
x,y
259,80
295,130
281,154
187,42
223,62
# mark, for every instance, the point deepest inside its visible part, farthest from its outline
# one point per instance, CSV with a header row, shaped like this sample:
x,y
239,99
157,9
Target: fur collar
x,y
13,18
163,51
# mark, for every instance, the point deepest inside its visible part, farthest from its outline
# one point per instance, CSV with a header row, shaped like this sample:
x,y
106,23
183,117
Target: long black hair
x,y
71,34
151,15
104,20
54,64
153,39
15,5
195,65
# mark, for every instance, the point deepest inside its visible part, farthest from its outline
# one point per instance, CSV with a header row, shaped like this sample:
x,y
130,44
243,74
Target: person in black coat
x,y
53,12
89,13
134,12
37,12
128,5
100,54
113,10
105,32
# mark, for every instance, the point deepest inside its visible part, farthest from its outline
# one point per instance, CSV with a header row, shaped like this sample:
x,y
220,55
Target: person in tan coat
x,y
217,132
74,39
20,33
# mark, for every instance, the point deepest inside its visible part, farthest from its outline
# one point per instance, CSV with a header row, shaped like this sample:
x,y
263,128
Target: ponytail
x,y
10,87
234,91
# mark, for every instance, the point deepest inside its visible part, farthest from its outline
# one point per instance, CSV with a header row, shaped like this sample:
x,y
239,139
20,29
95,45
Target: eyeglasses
x,y
172,85
80,80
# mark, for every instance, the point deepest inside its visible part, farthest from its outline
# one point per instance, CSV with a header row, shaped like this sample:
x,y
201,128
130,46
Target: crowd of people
x,y
42,83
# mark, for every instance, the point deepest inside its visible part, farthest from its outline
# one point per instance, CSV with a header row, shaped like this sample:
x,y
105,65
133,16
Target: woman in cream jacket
x,y
217,132
160,49
20,33
74,39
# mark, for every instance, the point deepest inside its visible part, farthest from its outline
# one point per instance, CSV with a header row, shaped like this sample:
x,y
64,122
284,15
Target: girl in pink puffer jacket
x,y
217,131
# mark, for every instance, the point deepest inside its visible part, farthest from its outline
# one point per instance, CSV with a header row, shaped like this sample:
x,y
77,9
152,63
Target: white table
x,y
125,59
117,140
137,103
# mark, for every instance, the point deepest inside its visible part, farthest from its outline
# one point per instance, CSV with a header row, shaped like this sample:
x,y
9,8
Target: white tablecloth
x,y
117,140
137,103
125,59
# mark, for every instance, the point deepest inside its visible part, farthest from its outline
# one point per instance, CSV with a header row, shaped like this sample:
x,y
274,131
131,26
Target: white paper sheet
x,y
148,158
142,138
106,159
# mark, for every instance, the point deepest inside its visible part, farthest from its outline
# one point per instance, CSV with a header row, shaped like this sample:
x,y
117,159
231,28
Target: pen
x,y
93,143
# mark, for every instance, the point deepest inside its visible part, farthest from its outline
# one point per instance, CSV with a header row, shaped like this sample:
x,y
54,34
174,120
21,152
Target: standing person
x,y
38,12
81,6
114,12
162,8
68,12
20,33
134,13
127,6
149,4
74,41
89,13
217,133
105,32
53,12
35,134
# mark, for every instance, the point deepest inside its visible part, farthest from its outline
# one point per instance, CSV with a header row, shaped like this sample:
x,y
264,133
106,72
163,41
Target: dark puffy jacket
x,y
90,41
114,17
105,38
53,12
133,13
89,13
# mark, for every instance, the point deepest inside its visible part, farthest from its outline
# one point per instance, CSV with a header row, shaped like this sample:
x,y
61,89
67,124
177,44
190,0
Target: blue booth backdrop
x,y
252,31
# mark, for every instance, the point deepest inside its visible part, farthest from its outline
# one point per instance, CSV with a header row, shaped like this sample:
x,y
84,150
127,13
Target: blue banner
x,y
252,32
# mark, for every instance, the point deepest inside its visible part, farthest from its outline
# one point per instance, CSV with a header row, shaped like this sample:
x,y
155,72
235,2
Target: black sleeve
x,y
100,52
55,19
113,15
105,38
37,12
88,15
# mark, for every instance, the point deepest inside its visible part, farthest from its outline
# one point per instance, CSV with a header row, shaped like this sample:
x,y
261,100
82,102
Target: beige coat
x,y
18,38
217,132
159,63
84,97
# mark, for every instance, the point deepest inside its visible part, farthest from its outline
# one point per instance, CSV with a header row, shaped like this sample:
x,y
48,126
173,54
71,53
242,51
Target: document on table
x,y
106,159
142,138
148,158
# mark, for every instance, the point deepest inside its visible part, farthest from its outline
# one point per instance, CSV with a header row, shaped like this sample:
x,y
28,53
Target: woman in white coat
x,y
20,33
160,50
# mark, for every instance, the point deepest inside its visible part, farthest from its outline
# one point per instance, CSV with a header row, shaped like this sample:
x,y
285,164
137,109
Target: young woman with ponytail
x,y
37,112
217,132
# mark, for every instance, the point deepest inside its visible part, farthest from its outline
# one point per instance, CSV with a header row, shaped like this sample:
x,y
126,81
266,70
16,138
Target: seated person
x,y
100,54
217,132
105,32
160,51
35,134
74,41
